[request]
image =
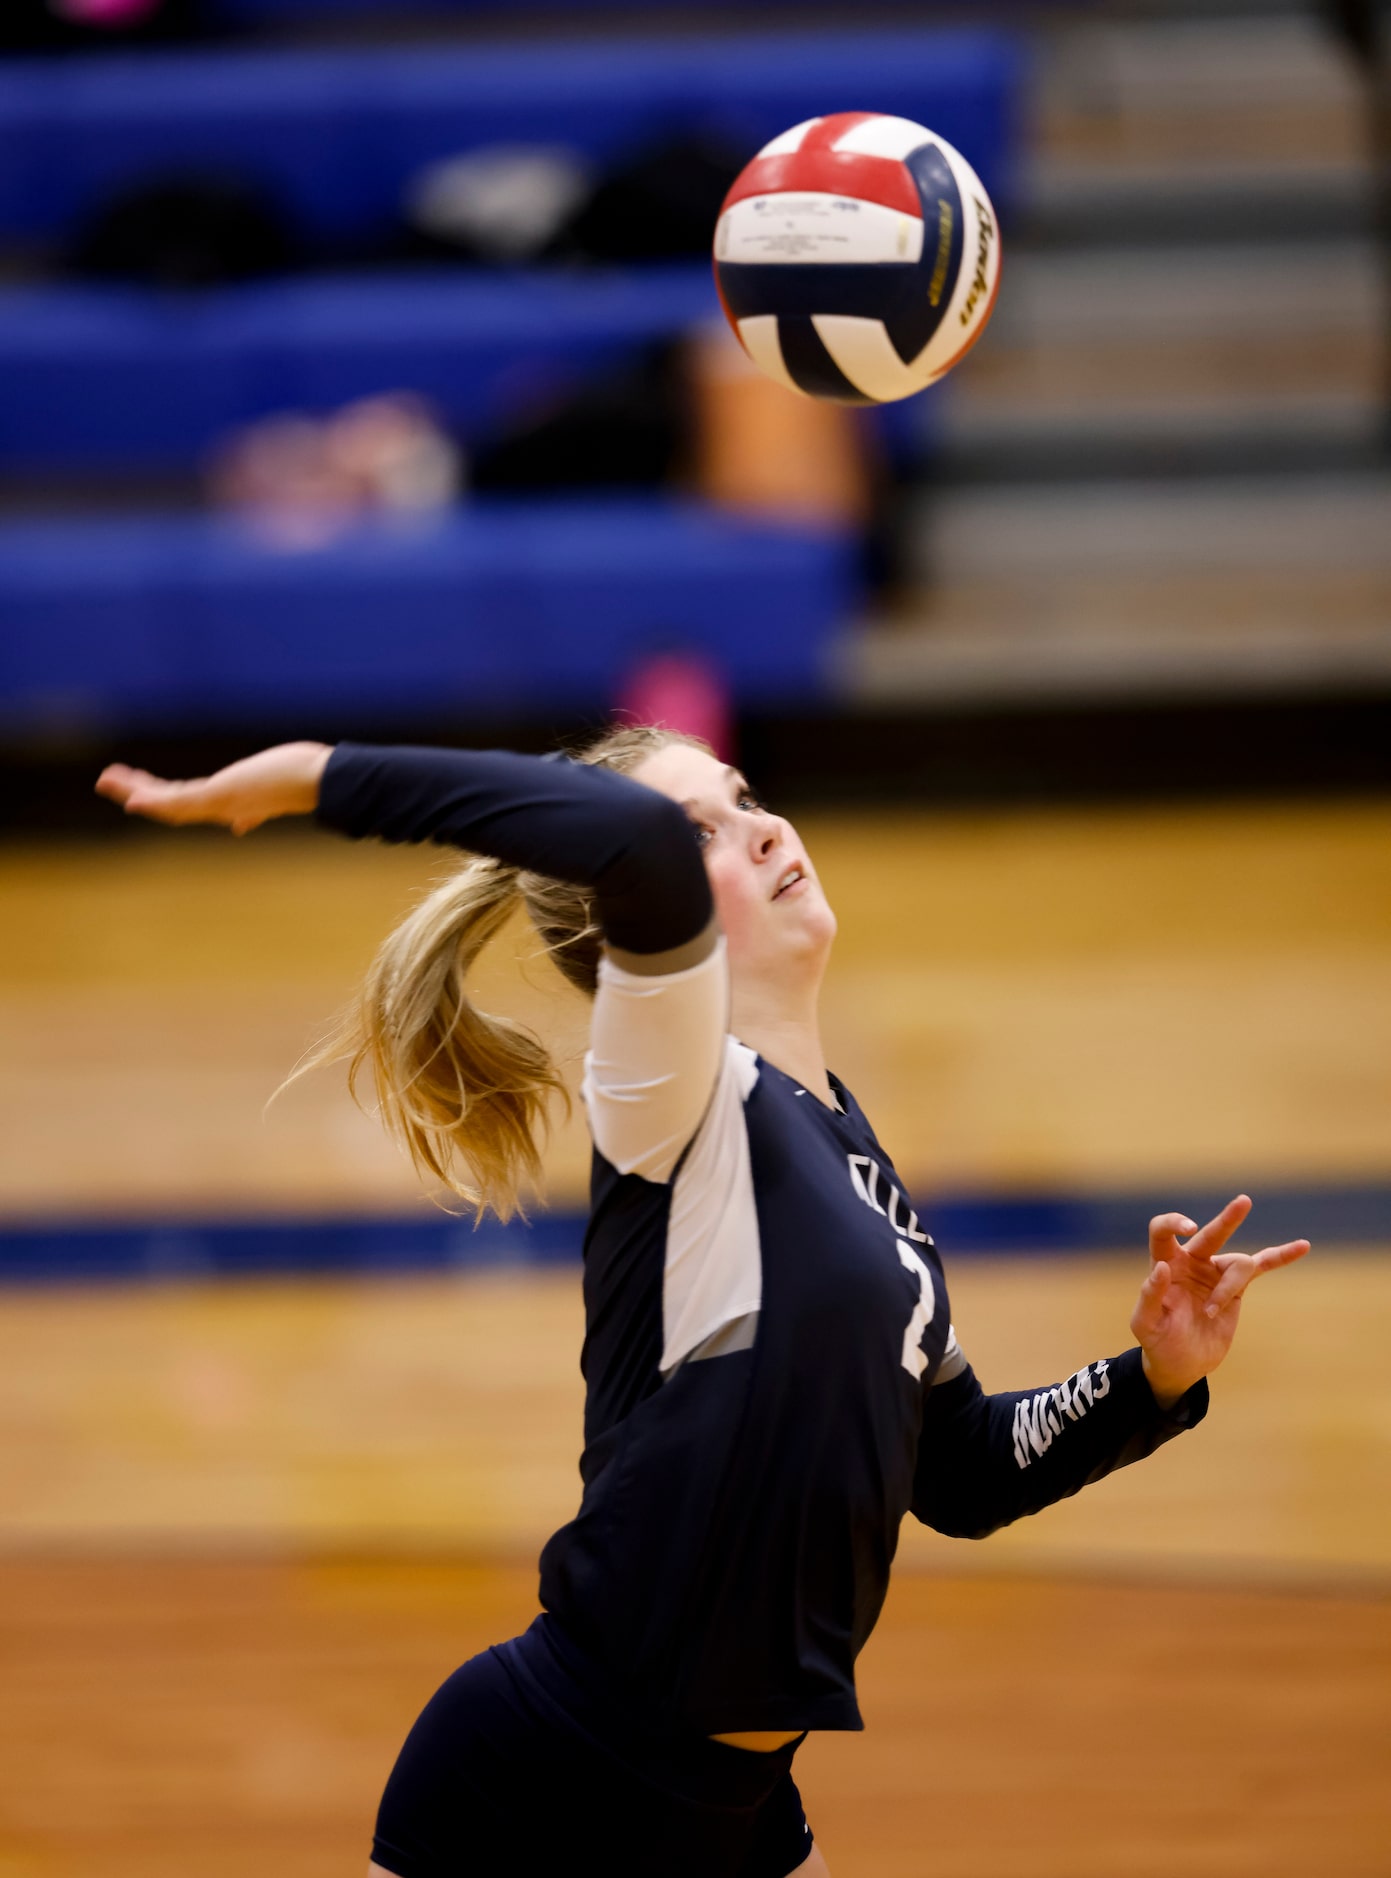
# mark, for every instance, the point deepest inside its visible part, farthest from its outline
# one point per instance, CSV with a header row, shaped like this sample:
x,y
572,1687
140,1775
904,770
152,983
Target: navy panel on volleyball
x,y
857,257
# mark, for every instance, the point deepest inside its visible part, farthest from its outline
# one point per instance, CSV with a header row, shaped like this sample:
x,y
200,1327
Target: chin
x,y
813,936
820,919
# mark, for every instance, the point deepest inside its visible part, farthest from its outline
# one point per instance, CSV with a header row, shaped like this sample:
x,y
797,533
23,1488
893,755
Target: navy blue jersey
x,y
772,1380
747,1465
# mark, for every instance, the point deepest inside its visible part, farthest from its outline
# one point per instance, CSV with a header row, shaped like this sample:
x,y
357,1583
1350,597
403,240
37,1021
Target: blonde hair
x,y
467,1092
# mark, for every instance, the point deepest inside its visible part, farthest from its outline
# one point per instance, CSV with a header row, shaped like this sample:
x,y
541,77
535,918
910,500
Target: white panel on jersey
x,y
714,1263
790,140
884,136
864,352
760,337
953,1359
656,1048
814,225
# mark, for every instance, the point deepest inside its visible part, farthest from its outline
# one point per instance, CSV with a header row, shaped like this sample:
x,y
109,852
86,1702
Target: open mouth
x,y
792,878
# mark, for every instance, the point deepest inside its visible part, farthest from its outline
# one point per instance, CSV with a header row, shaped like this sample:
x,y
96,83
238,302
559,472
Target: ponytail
x,y
467,1092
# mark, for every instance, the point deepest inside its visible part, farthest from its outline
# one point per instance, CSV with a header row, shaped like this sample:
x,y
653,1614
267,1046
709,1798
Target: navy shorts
x,y
519,1765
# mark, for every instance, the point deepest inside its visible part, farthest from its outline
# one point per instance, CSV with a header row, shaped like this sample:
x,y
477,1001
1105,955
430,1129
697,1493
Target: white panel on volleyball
x,y
969,305
883,137
760,337
865,353
812,225
790,140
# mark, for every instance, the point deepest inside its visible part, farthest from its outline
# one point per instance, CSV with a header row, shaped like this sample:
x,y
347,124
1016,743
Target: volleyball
x,y
857,257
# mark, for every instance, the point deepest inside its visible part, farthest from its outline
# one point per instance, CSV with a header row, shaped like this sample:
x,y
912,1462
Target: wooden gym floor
x,y
167,1720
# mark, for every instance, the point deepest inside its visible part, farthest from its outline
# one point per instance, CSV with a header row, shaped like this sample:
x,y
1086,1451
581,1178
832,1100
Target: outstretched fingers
x,y
141,793
1211,1238
1239,1268
118,781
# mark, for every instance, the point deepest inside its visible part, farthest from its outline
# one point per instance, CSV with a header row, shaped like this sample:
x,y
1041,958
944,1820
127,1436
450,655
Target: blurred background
x,y
361,375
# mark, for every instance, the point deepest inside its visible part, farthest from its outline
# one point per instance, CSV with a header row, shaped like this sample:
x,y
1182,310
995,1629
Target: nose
x,y
763,837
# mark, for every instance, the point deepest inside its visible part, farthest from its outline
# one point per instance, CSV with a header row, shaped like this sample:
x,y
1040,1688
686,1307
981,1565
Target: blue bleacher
x,y
102,377
336,133
190,621
183,621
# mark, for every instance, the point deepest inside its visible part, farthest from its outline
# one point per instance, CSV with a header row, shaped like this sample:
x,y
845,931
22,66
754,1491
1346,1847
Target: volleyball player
x,y
772,1376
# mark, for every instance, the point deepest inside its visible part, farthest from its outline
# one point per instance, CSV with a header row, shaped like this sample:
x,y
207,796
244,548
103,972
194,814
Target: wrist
x,y
1166,1388
310,760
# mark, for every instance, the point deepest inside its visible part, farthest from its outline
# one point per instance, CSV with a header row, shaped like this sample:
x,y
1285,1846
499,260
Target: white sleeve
x,y
655,1050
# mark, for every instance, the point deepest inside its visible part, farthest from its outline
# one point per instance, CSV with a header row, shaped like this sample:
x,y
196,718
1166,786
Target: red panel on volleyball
x,y
816,165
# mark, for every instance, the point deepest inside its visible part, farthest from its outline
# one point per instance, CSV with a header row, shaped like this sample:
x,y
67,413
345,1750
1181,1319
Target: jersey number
x,y
914,1357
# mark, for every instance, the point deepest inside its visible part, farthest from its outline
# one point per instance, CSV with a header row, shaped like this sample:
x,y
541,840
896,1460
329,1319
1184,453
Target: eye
x,y
704,836
749,801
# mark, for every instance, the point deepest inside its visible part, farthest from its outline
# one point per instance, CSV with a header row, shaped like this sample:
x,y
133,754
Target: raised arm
x,y
573,821
662,1001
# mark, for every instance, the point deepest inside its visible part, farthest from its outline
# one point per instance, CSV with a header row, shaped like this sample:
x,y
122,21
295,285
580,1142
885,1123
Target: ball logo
x,y
946,222
985,234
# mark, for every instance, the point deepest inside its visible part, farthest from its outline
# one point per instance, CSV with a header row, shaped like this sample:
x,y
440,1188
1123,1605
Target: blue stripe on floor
x,y
961,1224
219,1248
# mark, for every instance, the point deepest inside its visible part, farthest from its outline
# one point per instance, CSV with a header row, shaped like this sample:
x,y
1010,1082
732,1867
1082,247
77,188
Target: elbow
x,y
663,870
958,1522
663,836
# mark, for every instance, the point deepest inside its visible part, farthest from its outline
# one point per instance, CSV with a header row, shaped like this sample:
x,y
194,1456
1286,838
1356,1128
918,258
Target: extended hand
x,y
1189,1305
280,781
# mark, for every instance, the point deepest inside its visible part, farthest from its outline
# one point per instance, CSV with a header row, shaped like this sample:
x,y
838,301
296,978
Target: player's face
x,y
767,896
